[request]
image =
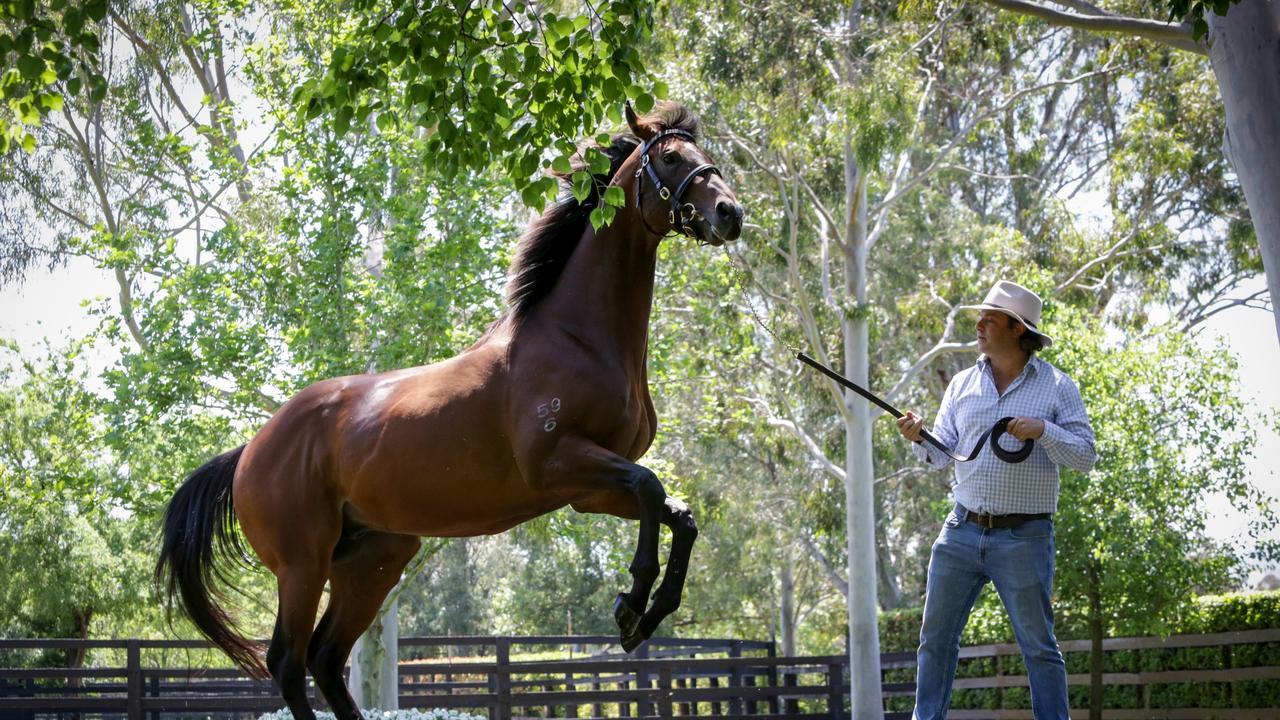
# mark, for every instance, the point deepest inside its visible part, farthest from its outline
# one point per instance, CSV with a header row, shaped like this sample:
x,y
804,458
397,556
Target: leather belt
x,y
1011,520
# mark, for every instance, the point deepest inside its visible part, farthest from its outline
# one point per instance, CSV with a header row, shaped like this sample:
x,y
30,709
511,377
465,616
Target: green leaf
x,y
561,165
598,162
51,102
29,142
532,196
582,185
1200,29
31,66
73,86
97,9
615,196
97,89
644,102
660,89
597,218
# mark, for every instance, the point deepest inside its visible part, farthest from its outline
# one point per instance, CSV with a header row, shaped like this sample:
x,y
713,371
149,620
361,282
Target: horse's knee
x,y
645,573
683,526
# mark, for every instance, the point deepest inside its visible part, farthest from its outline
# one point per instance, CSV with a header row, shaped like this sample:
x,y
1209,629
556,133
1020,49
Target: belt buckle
x,y
987,520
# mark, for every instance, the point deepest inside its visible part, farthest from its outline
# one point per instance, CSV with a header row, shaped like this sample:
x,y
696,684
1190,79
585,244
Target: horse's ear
x,y
644,131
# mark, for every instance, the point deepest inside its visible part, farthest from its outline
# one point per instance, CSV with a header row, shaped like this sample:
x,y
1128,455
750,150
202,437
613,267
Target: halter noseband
x,y
679,221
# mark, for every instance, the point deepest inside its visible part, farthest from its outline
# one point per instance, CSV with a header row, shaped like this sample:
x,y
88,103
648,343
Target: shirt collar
x,y
1032,366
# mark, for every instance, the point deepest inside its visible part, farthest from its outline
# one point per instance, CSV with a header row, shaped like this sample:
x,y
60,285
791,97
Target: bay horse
x,y
550,407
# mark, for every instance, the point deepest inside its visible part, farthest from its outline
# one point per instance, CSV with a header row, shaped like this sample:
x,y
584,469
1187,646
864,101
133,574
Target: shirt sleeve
x,y
1069,441
944,428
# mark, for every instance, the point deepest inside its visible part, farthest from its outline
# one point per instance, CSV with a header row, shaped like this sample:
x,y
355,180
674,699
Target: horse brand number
x,y
548,411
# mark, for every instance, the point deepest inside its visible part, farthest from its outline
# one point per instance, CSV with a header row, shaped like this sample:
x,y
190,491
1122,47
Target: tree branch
x,y
1177,35
833,574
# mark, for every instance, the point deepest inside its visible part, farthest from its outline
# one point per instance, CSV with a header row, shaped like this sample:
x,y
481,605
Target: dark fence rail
x,y
506,678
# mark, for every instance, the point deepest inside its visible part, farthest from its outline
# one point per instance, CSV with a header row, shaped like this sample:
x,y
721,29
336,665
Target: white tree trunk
x,y
374,681
860,518
1245,52
787,601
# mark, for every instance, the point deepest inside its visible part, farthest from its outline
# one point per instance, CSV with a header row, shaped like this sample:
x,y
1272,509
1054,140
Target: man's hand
x,y
910,426
1026,428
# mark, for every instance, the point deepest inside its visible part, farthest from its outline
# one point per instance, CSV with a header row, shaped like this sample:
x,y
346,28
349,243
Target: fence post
x,y
155,693
999,688
835,696
772,652
735,675
664,684
571,709
133,673
503,679
643,707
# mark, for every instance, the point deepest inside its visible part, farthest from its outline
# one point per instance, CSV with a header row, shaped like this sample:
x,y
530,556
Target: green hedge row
x,y
900,630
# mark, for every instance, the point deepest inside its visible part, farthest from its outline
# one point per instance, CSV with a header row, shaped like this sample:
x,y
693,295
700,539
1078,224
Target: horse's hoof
x,y
628,619
633,641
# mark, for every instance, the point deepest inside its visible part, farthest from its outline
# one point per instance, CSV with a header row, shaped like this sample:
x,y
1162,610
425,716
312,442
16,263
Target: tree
x,y
1244,48
69,550
1132,548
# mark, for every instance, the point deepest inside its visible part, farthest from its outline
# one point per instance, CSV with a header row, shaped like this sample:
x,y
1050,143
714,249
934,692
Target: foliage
x,y
1152,498
69,550
48,51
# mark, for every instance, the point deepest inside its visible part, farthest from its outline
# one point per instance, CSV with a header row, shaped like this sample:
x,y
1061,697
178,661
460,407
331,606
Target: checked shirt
x,y
971,405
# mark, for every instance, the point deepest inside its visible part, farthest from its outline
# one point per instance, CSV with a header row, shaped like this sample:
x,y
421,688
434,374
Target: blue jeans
x,y
1019,562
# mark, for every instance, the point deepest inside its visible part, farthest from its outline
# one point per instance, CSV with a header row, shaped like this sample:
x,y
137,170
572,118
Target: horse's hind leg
x,y
300,587
365,568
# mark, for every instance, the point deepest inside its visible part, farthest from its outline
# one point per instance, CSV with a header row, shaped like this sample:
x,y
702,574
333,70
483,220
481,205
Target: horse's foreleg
x,y
677,516
607,482
629,607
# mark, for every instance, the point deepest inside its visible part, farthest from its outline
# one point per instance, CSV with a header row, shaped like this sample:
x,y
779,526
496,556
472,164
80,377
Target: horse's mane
x,y
549,241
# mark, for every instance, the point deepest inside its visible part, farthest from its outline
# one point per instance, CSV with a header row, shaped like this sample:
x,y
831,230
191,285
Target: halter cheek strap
x,y
676,215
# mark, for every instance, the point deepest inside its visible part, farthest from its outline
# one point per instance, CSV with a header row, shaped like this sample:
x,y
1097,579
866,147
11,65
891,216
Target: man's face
x,y
995,337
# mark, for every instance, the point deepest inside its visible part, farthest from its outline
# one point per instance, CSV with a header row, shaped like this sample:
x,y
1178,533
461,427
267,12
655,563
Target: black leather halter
x,y
676,215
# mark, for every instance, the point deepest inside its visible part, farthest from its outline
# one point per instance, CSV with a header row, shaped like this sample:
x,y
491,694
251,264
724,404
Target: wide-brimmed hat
x,y
1017,302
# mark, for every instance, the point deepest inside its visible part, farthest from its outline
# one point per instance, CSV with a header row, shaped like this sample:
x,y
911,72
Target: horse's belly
x,y
449,502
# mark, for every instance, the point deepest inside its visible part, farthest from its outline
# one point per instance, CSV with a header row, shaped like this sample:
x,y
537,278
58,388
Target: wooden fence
x,y
507,678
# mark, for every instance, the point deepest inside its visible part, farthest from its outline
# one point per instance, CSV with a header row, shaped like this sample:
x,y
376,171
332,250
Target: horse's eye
x,y
670,158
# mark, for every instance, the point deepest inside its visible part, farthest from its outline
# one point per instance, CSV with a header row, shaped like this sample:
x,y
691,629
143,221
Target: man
x,y
1002,528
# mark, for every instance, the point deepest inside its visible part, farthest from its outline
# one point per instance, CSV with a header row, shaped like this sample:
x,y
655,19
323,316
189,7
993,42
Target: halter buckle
x,y
664,193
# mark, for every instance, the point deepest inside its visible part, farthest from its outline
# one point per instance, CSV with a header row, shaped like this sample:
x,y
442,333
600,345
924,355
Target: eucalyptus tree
x,y
1241,38
900,158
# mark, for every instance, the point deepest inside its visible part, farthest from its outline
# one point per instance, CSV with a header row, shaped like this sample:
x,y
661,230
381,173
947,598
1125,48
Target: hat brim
x,y
1030,328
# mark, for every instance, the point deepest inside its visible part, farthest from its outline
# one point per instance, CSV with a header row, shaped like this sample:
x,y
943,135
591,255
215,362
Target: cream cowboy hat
x,y
1017,302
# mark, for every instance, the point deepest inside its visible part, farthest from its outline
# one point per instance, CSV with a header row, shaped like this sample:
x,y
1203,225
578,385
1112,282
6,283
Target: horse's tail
x,y
198,538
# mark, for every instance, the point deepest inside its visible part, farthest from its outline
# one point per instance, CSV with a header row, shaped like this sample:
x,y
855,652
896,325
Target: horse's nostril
x,y
728,212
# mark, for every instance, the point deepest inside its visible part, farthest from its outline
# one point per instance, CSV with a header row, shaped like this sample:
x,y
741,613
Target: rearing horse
x,y
549,408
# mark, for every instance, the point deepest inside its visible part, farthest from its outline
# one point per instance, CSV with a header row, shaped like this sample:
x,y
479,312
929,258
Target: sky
x,y
50,305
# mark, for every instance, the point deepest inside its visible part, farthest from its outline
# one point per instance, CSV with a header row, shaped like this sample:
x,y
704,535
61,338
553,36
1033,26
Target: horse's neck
x,y
606,289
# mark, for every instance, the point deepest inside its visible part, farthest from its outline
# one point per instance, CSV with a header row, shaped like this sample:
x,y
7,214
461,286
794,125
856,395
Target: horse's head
x,y
677,187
